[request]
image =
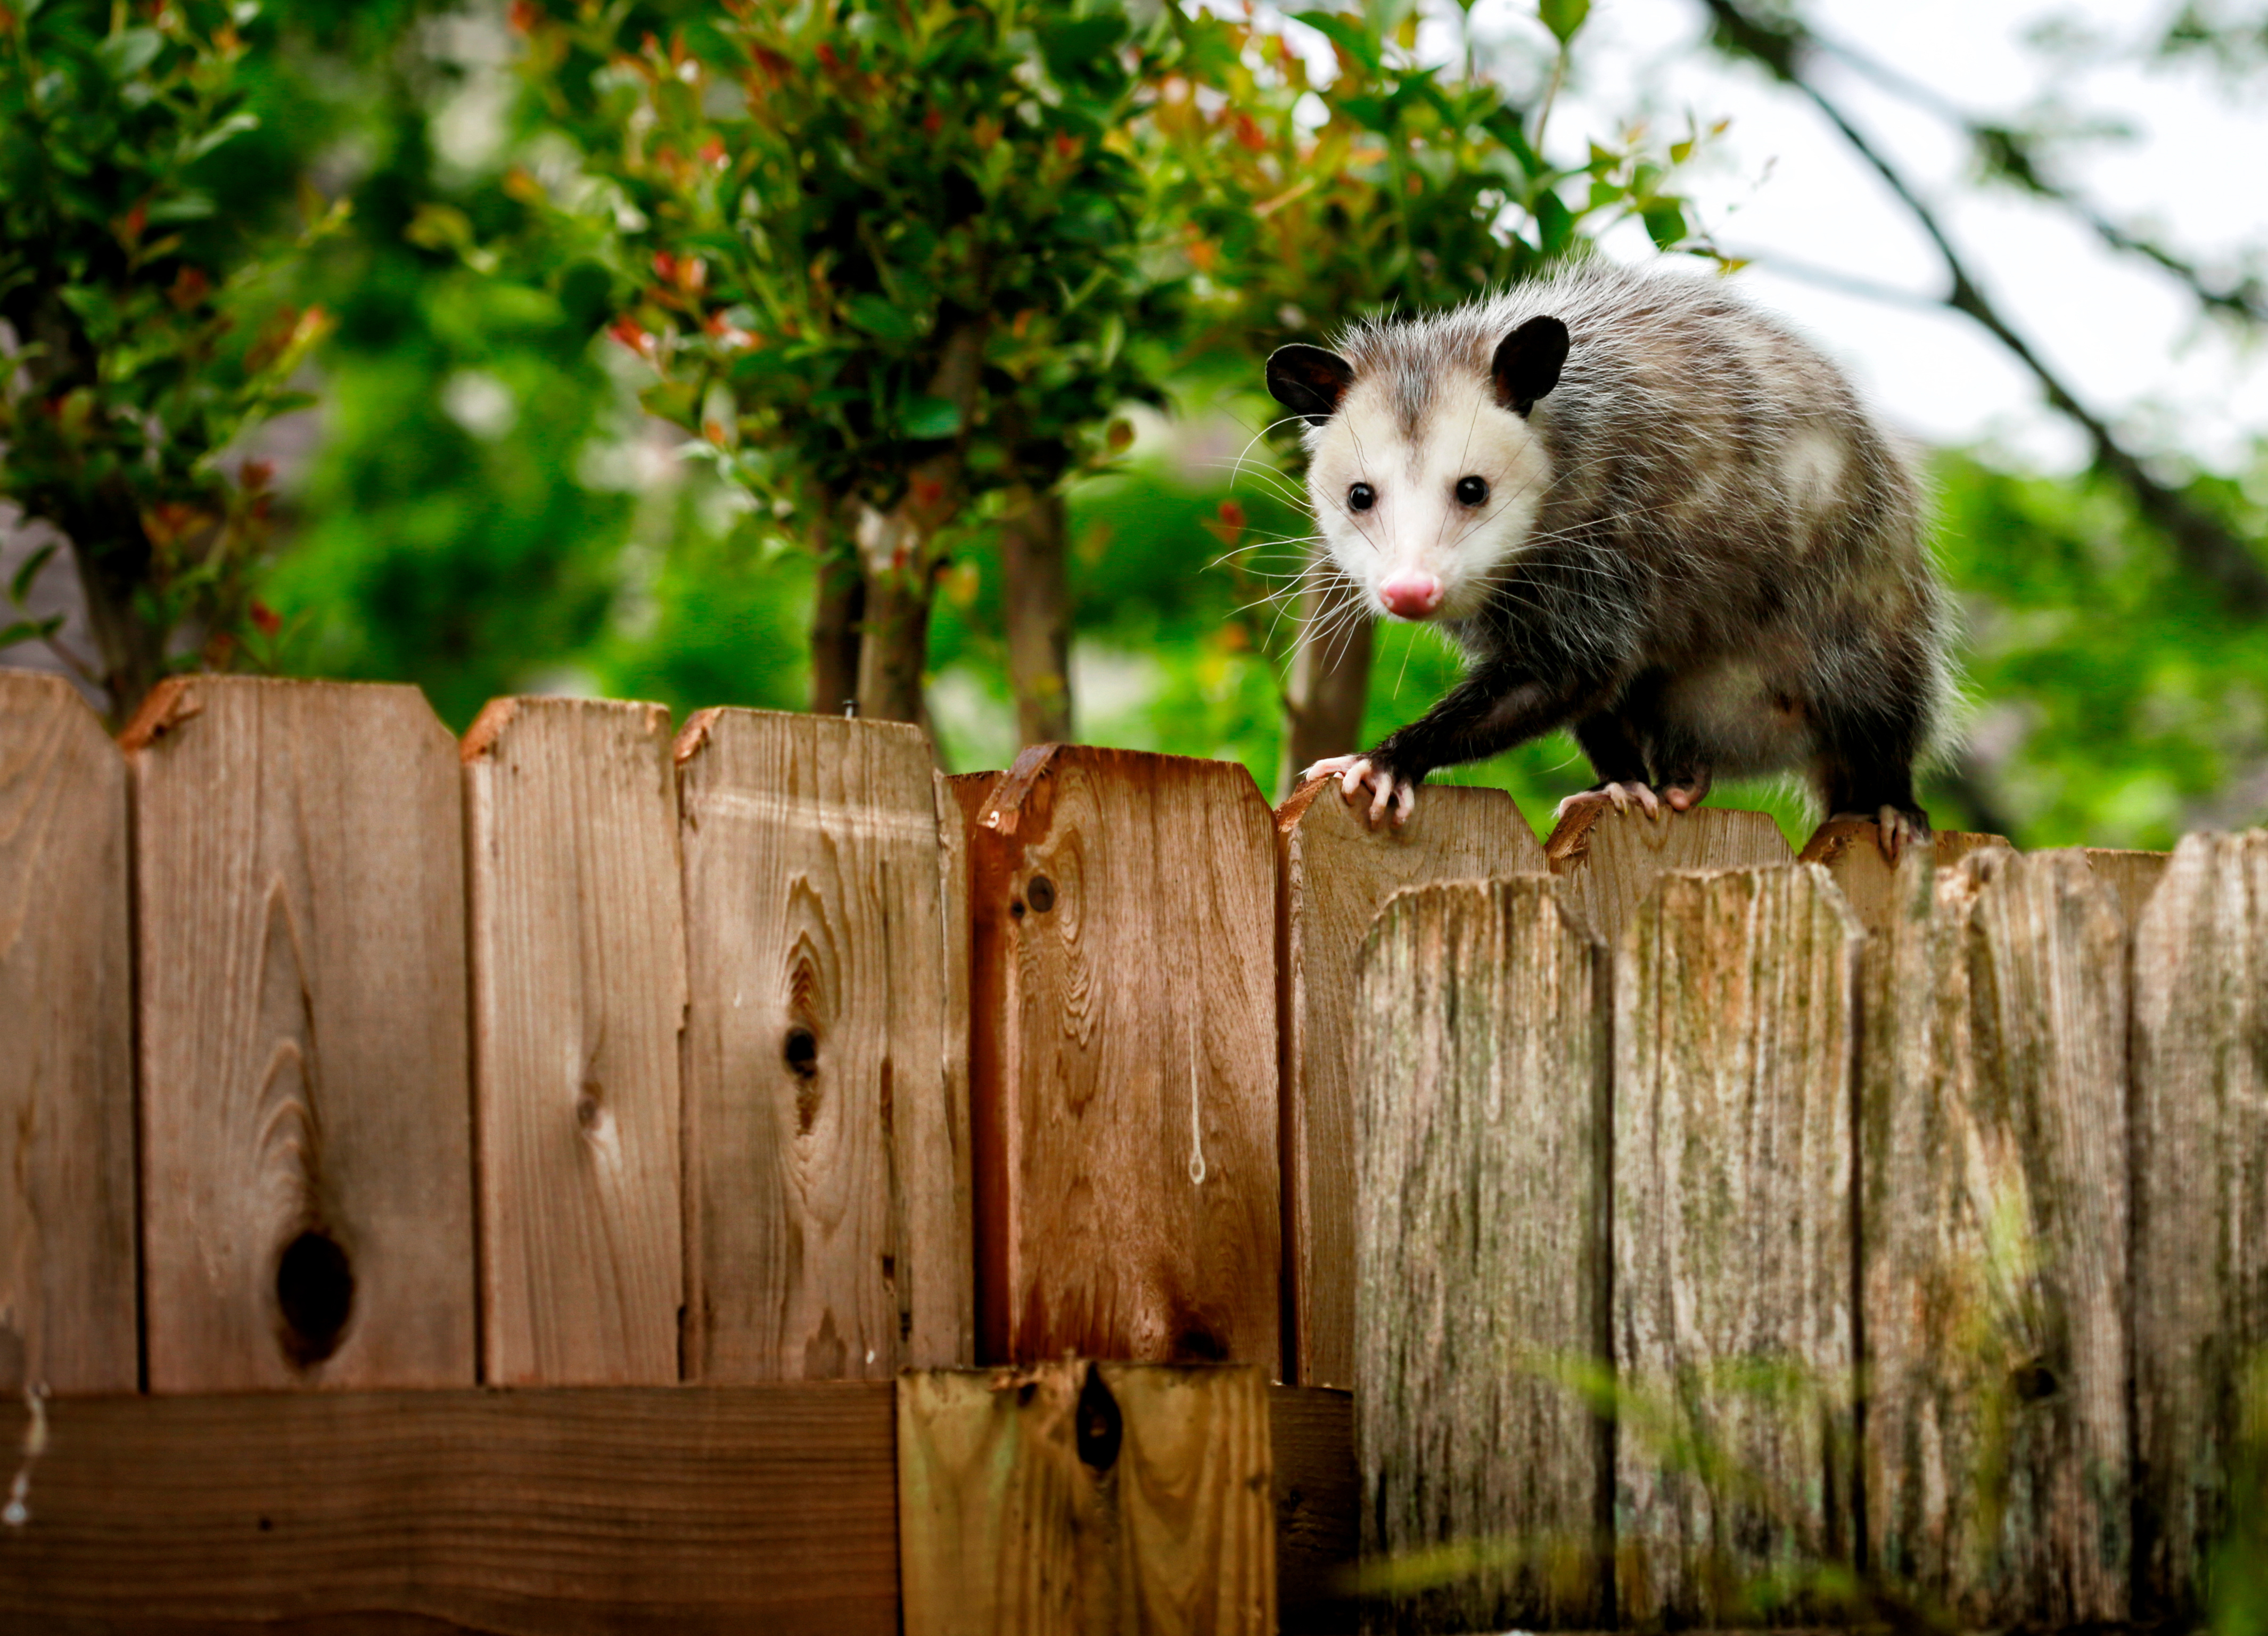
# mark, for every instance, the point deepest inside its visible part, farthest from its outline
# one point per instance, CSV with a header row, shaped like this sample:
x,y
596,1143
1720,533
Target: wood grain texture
x,y
2133,876
1610,860
1994,1244
628,1509
1736,1034
1851,850
1124,1059
1480,1277
1318,1509
1333,875
826,1127
307,1201
1078,1497
68,1285
579,993
2200,1168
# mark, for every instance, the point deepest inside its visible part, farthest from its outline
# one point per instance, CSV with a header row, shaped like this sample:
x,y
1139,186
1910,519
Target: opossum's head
x,y
1424,471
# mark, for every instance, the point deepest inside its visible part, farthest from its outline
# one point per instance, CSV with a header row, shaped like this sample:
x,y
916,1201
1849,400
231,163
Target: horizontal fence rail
x,y
1701,1231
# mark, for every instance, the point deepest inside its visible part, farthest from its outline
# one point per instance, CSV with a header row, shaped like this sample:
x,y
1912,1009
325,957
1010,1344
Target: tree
x,y
889,262
127,288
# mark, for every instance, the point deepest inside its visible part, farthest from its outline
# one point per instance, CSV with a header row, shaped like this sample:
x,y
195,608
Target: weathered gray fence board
x,y
1334,874
1735,1035
1851,850
1611,859
307,1174
2200,1168
579,993
2132,875
67,1231
826,1212
1994,1242
1482,1063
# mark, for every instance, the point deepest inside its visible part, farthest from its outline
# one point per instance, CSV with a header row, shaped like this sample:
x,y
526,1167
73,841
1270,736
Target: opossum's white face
x,y
1420,517
1427,478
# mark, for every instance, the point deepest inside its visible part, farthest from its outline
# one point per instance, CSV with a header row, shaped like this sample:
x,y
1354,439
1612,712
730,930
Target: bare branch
x,y
2204,545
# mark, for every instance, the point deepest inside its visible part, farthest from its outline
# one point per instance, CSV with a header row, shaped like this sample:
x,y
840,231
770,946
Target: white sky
x,y
1782,181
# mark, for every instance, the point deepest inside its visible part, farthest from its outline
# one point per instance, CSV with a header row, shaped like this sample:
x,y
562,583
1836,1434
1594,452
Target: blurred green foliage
x,y
480,503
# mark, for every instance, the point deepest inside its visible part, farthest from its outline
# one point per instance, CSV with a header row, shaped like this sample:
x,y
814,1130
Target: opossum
x,y
1642,508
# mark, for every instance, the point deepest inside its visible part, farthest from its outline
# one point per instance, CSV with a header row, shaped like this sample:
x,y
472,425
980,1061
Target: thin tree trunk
x,y
1036,589
1330,673
897,551
130,651
836,614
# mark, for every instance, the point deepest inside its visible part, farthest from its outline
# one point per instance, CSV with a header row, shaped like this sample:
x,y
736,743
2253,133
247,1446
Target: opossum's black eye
x,y
1472,491
1361,498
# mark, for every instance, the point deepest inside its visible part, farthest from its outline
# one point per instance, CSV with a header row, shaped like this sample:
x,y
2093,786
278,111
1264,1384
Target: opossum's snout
x,y
1410,595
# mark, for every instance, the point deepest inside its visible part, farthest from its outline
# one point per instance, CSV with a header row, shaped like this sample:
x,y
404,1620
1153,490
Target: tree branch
x,y
2203,544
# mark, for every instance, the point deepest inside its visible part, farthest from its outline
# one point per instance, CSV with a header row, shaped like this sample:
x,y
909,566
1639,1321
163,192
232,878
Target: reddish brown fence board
x,y
306,1118
579,993
67,1241
2200,1168
826,1144
1994,1243
1333,872
1124,1059
1481,1247
1736,1042
631,1509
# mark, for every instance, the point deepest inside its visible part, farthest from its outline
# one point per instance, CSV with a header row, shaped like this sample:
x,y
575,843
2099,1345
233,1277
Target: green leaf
x,y
20,587
235,124
883,319
1349,34
924,417
182,207
30,629
1664,223
123,56
1563,18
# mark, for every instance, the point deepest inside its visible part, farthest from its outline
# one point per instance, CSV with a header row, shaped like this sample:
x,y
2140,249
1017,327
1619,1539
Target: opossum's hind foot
x,y
1620,796
1898,827
1358,776
1686,790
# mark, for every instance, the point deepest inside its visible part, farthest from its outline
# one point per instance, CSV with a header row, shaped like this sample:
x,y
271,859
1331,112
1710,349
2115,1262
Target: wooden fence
x,y
586,1061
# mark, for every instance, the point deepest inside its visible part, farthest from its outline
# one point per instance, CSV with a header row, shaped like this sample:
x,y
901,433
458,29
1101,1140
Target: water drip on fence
x,y
314,1290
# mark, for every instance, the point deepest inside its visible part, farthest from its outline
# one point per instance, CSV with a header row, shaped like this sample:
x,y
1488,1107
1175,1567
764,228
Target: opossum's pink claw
x,y
1329,767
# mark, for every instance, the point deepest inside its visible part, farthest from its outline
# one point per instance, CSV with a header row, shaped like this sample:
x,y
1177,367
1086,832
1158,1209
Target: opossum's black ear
x,y
1309,381
1527,364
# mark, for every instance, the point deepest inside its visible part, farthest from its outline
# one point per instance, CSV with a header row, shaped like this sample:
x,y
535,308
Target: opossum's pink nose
x,y
1411,596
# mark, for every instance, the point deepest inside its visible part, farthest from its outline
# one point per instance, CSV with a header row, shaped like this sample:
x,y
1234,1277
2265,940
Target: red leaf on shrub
x,y
266,618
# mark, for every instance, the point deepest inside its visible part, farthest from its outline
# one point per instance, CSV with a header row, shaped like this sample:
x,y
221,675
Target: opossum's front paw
x,y
1620,796
1896,828
1358,775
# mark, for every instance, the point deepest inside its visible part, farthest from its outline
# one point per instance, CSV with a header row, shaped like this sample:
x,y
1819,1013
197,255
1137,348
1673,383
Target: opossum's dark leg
x,y
1492,710
1865,767
1610,739
1616,753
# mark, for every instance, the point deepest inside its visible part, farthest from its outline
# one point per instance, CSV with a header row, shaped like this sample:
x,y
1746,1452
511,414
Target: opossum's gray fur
x,y
1684,516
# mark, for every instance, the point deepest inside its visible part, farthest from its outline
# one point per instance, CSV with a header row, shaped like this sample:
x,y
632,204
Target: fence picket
x,y
1611,859
1993,1240
827,1147
1735,1036
1481,1069
579,993
68,1294
2200,1168
1123,1055
2132,875
1333,872
307,1170
1851,850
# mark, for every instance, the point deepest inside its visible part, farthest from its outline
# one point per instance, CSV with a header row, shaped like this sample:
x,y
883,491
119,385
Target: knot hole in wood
x,y
314,1295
